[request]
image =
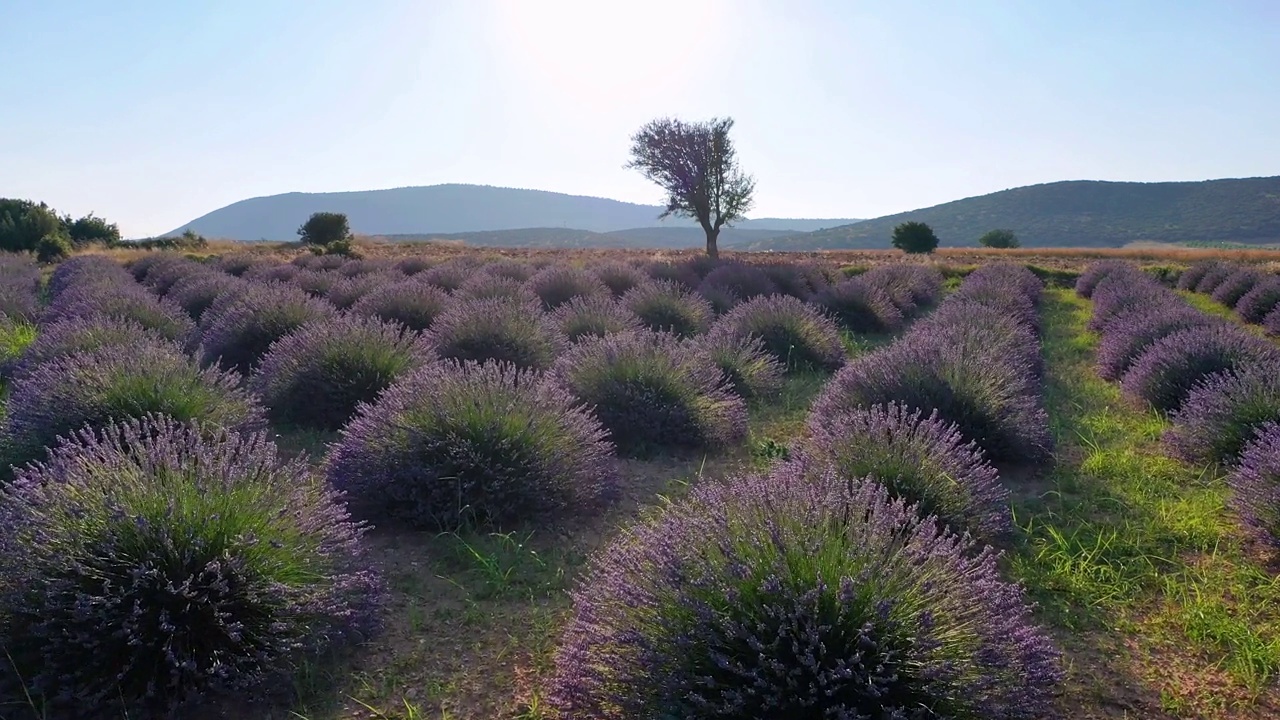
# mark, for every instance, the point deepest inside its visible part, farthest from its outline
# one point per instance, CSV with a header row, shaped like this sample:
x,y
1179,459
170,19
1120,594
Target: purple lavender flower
x,y
618,276
317,375
448,275
267,271
556,285
798,335
1255,483
1215,276
461,444
1264,297
678,273
488,286
414,265
859,307
666,306
500,330
1165,373
1192,276
347,291
594,316
124,302
741,280
93,388
19,288
801,594
197,293
83,334
238,334
1234,287
86,270
1092,275
653,392
1129,335
156,563
413,304
316,283
749,369
1222,413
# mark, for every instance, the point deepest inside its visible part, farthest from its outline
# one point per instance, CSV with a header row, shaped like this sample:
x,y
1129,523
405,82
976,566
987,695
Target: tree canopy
x,y
325,228
914,237
696,164
999,238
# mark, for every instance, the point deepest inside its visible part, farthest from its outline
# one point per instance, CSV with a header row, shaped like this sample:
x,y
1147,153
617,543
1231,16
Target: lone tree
x,y
999,239
324,228
696,165
914,237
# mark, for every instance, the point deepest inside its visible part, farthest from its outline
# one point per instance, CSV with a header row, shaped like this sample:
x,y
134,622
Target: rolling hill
x,y
1083,213
441,210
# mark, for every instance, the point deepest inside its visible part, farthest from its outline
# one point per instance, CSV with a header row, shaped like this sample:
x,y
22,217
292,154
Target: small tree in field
x,y
697,166
999,239
325,228
914,237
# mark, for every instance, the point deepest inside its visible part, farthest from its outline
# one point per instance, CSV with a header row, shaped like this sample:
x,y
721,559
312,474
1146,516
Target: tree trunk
x,y
713,252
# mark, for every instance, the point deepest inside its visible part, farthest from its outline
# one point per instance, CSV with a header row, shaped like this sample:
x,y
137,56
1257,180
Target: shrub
x,y
347,291
859,307
1221,415
500,330
272,271
125,302
237,335
316,283
921,459
1001,296
197,293
619,277
910,287
158,563
510,269
1271,323
749,369
1164,374
740,280
460,444
1192,276
799,595
1118,296
413,265
652,392
87,270
319,262
1264,297
141,267
799,280
239,263
448,275
797,334
324,228
162,276
999,238
666,306
982,331
594,315
19,288
317,375
483,286
993,403
82,389
678,273
914,237
556,285
372,266
1215,276
1234,287
721,299
54,247
81,334
1098,271
1128,336
1255,484
413,304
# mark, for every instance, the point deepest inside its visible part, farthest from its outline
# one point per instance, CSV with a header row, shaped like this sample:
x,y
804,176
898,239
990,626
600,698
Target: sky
x,y
153,112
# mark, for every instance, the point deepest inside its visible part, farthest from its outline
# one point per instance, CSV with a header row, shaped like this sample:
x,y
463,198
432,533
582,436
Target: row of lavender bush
x,y
1253,293
147,503
853,580
1218,382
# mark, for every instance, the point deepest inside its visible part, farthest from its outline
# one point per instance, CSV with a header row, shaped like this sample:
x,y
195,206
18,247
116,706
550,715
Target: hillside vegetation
x,y
1083,213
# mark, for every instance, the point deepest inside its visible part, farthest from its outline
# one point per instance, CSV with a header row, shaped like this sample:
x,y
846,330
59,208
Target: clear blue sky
x,y
153,112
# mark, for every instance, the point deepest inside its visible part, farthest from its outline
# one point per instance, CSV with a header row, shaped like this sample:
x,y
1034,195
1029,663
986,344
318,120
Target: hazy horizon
x,y
152,114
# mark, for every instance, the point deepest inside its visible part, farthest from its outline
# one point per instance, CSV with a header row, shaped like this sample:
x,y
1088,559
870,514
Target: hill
x,y
656,237
1082,213
440,210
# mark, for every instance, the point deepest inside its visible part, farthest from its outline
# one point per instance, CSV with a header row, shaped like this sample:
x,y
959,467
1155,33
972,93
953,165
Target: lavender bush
x,y
82,334
448,275
1222,413
798,335
799,595
1092,275
618,276
749,369
1255,484
347,291
666,306
124,302
921,460
196,293
155,564
16,338
238,264
1127,337
85,271
1164,374
414,305
68,393
317,375
465,444
741,280
994,404
1192,276
594,316
859,307
556,285
414,265
162,276
1214,277
1234,287
486,286
238,334
653,392
678,273
316,283
910,287
19,288
511,269
500,330
1261,299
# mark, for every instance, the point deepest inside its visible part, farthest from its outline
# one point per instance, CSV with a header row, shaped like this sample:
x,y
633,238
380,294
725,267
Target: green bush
x,y
914,238
999,238
325,228
54,247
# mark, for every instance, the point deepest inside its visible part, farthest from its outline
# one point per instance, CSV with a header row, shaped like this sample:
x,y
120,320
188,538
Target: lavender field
x,y
610,486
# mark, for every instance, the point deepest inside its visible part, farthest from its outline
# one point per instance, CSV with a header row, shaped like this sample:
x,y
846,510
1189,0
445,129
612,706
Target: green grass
x,y
1122,540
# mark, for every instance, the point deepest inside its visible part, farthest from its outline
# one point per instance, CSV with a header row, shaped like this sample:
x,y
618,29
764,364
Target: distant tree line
x,y
27,226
